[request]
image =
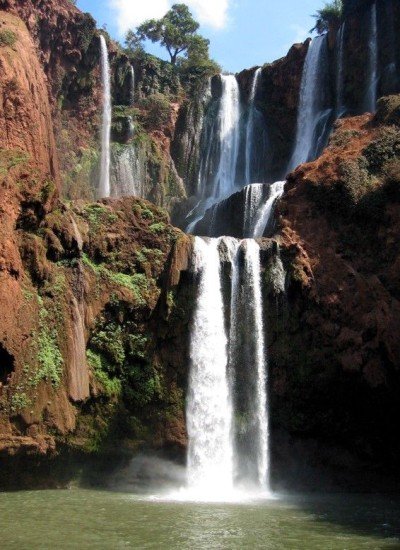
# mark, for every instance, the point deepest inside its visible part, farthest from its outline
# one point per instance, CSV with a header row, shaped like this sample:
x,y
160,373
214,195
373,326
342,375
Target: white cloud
x,y
210,12
130,13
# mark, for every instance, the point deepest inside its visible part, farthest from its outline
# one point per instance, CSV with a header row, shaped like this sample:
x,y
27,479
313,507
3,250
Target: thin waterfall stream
x,y
313,115
104,186
250,127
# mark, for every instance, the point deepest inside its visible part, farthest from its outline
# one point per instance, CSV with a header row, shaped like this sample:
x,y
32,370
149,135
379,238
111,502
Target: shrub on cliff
x,y
7,37
383,149
388,110
329,16
158,108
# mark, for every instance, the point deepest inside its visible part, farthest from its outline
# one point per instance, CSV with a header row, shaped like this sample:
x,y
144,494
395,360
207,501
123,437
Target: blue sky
x,y
243,33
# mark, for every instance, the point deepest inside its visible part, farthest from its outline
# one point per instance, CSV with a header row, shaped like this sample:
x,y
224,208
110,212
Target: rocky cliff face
x,y
90,295
336,382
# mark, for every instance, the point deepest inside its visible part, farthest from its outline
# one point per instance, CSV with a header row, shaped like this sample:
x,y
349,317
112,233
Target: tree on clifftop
x,y
329,16
176,31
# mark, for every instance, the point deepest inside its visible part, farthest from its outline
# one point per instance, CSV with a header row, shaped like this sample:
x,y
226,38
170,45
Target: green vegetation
x,y
330,15
97,215
10,158
49,355
157,227
19,400
383,149
7,38
103,373
137,283
176,31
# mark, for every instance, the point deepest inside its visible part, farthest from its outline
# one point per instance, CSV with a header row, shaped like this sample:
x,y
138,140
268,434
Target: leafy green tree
x,y
133,41
330,15
176,31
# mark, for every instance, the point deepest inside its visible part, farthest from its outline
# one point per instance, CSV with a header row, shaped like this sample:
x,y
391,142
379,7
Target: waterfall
x,y
229,134
372,80
253,200
265,213
209,406
220,148
313,115
228,374
132,91
104,187
340,107
259,412
250,128
128,172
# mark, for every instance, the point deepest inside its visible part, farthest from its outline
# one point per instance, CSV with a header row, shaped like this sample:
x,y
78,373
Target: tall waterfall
x,y
209,407
313,115
250,128
220,140
372,81
340,107
229,116
259,410
228,375
104,186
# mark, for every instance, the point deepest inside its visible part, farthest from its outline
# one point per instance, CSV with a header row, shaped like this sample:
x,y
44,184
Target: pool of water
x,y
83,519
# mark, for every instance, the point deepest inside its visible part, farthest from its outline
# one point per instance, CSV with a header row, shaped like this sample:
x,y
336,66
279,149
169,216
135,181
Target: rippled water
x,y
97,519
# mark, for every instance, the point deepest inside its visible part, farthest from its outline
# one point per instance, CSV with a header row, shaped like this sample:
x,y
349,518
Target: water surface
x,y
99,519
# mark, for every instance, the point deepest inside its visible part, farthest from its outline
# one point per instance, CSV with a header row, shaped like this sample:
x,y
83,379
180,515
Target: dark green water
x,y
83,519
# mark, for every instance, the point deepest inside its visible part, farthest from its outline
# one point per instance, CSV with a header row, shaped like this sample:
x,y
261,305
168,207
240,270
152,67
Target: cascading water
x,y
221,137
250,127
313,114
209,406
219,466
340,107
253,201
259,411
372,80
229,116
265,213
104,186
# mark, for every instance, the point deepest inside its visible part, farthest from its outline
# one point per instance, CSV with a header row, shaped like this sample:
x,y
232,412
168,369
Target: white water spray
x,y
104,186
209,406
250,130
